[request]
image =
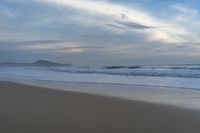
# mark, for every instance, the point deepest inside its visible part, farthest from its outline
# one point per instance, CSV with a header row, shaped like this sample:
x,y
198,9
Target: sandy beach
x,y
27,109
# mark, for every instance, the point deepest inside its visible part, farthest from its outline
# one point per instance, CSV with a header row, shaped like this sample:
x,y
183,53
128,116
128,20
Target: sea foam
x,y
166,76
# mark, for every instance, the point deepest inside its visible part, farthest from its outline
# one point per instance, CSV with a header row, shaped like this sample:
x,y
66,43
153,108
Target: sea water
x,y
174,85
180,76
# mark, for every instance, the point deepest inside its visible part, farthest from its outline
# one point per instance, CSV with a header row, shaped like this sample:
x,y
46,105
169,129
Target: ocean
x,y
177,85
179,76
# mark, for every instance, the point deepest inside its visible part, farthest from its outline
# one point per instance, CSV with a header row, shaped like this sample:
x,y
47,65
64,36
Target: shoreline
x,y
36,109
23,79
183,98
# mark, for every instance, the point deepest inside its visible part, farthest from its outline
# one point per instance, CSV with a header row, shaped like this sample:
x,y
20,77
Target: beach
x,y
29,109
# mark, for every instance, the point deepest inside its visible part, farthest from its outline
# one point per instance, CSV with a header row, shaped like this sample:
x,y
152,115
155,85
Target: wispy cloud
x,y
93,30
188,18
131,17
184,10
134,25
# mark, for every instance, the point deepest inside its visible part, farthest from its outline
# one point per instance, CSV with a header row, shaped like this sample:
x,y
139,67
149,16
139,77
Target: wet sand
x,y
28,109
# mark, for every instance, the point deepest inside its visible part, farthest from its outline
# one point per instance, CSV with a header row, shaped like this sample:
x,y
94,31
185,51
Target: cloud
x,y
34,42
6,13
115,26
46,45
184,10
97,31
188,18
101,13
134,25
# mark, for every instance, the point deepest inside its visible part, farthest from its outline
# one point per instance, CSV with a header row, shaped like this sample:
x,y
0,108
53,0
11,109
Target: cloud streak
x,y
127,16
98,31
134,25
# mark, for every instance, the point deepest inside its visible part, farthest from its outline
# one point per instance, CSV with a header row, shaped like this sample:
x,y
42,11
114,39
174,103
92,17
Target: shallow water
x,y
186,98
181,77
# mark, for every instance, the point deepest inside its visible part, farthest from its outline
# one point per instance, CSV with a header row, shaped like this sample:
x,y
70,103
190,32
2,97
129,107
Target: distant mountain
x,y
37,63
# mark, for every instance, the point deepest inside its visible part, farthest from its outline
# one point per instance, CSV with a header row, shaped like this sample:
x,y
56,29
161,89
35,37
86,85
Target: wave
x,y
149,76
196,67
167,71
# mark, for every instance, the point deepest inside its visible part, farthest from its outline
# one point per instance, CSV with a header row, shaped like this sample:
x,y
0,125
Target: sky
x,y
100,32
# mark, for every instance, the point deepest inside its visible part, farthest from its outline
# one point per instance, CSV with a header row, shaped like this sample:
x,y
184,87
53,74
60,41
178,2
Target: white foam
x,y
43,77
41,73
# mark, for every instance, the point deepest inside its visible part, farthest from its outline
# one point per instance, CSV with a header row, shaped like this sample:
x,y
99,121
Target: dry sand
x,y
27,109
